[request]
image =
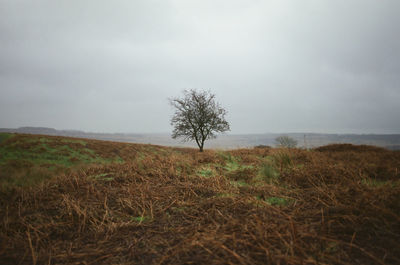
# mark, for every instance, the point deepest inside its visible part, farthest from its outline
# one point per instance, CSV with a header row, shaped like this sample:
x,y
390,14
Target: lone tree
x,y
197,117
286,141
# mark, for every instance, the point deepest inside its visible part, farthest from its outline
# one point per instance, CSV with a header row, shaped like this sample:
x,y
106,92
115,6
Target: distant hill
x,y
40,130
225,141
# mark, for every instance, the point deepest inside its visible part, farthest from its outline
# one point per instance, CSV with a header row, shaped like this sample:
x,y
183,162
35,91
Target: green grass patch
x,y
240,174
103,176
231,166
227,156
268,173
44,140
373,182
26,160
41,152
226,195
75,141
206,172
239,183
276,201
231,162
20,173
282,160
5,136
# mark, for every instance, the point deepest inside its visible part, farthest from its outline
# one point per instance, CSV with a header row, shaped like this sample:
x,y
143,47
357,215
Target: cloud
x,y
275,65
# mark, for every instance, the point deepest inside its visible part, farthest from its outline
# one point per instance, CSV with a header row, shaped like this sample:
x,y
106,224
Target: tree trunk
x,y
199,145
202,144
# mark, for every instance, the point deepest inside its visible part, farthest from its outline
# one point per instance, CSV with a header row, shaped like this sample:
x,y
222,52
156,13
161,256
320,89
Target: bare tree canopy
x,y
286,141
197,117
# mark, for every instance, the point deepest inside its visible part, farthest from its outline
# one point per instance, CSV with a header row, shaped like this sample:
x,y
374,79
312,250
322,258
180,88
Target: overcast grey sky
x,y
275,65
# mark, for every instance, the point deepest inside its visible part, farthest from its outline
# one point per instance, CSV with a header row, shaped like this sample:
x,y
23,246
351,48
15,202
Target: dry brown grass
x,y
328,206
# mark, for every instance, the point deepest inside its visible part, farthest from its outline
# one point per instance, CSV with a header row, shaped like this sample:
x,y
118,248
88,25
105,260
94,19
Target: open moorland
x,y
79,201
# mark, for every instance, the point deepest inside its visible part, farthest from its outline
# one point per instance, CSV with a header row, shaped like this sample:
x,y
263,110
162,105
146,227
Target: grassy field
x,y
79,201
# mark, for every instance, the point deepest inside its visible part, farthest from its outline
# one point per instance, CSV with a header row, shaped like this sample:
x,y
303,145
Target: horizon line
x,y
222,134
